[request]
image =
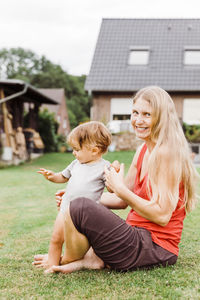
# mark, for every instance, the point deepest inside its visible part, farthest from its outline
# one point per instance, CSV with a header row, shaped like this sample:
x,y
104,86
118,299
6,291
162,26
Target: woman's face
x,y
141,119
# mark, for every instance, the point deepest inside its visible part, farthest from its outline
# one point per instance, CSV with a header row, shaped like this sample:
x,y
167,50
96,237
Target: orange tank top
x,y
169,236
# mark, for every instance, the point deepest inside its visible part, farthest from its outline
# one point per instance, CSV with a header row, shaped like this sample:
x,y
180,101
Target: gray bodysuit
x,y
85,180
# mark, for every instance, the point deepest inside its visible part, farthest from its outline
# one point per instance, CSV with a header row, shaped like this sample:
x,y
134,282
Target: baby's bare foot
x,y
41,257
40,261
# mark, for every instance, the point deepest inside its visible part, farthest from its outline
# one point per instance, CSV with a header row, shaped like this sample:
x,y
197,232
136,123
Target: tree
x,y
18,63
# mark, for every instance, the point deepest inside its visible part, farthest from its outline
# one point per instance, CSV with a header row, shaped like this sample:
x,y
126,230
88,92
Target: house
x,y
60,110
18,142
133,53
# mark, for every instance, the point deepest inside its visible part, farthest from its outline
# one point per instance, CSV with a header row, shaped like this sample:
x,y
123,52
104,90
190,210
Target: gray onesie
x,y
85,180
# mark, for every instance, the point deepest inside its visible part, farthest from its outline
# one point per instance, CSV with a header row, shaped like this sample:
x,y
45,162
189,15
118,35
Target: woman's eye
x,y
148,114
134,112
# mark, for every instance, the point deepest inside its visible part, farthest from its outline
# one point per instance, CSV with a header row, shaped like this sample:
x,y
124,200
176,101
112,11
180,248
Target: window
x,y
120,108
138,57
192,57
121,117
191,109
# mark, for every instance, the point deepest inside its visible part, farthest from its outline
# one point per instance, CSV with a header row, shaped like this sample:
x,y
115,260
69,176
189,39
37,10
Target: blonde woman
x,y
159,188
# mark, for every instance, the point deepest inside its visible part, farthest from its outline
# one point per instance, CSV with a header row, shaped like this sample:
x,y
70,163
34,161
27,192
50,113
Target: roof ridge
x,y
164,19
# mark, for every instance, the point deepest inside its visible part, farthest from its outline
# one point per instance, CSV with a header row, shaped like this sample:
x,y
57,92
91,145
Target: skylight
x,y
138,57
192,57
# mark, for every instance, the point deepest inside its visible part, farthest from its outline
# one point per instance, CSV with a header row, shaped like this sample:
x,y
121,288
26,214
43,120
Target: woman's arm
x,y
110,200
158,212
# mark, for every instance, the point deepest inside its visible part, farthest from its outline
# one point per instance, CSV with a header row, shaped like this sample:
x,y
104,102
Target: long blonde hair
x,y
170,162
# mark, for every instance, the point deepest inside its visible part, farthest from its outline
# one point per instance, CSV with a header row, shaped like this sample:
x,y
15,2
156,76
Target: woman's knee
x,y
80,206
80,211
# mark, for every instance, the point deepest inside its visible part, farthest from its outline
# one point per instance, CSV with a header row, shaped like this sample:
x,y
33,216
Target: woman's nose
x,y
139,119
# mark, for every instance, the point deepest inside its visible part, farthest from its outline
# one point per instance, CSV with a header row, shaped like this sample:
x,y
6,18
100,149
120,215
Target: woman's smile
x,y
138,128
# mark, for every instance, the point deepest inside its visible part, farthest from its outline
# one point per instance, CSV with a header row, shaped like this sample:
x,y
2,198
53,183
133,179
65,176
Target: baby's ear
x,y
95,150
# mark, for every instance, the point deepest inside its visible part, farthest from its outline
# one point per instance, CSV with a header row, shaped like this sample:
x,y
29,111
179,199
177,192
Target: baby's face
x,y
83,155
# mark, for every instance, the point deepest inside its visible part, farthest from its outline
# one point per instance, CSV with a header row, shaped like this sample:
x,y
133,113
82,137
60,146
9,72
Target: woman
x,y
159,188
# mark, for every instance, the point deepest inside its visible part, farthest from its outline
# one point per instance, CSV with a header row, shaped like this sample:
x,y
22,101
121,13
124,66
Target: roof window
x,y
192,57
138,56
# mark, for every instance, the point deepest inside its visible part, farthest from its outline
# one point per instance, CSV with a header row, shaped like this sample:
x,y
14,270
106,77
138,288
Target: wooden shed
x,y
17,143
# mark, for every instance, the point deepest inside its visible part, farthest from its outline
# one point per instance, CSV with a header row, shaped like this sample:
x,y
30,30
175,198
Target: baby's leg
x,y
57,240
76,244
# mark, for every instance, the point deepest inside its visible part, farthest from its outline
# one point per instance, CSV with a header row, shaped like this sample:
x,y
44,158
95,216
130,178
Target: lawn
x,y
27,214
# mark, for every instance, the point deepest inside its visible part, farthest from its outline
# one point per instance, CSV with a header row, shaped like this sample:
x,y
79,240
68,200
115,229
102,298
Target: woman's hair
x,y
170,162
90,134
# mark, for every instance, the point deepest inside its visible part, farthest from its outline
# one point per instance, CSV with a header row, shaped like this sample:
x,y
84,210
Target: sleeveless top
x,y
169,236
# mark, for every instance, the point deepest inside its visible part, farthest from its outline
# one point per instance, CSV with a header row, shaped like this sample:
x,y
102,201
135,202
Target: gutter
x,y
15,95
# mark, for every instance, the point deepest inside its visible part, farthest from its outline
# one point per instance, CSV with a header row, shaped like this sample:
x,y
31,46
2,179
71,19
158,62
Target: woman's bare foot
x,y
90,261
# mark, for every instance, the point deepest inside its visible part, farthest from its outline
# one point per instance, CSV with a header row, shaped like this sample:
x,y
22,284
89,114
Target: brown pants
x,y
118,244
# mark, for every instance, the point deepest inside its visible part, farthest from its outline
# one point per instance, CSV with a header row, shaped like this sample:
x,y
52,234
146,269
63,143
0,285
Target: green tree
x,y
18,63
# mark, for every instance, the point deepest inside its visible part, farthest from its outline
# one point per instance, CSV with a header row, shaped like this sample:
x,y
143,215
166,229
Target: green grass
x,y
27,214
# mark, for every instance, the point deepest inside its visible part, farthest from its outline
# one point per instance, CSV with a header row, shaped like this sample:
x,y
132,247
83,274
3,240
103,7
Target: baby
x,y
85,174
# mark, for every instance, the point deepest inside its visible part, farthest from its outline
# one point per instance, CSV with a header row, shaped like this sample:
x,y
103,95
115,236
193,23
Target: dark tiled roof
x,y
166,39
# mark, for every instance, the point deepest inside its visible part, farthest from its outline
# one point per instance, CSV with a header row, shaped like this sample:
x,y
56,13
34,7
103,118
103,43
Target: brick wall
x,y
101,104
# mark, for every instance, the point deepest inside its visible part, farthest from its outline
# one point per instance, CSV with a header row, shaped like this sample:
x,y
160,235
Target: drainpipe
x,y
15,95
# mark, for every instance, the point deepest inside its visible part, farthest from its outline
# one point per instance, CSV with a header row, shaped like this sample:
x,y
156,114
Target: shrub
x,y
192,133
47,128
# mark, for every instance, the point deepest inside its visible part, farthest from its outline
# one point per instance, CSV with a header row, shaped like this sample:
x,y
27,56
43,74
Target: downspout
x,y
15,95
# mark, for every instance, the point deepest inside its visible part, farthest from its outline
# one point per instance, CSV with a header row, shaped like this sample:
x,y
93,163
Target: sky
x,y
66,31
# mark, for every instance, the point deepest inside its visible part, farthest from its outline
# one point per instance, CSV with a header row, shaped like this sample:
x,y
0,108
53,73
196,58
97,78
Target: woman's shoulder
x,y
141,148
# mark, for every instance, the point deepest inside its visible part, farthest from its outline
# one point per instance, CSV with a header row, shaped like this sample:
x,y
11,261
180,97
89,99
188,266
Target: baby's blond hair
x,y
90,134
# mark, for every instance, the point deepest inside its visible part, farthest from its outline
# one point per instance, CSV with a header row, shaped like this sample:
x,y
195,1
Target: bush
x,y
62,143
47,128
192,133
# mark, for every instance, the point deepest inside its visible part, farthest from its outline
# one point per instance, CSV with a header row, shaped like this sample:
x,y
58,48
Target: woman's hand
x,y
58,196
114,179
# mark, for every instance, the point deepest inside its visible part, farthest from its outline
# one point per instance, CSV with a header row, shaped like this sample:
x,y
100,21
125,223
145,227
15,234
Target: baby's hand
x,y
116,165
46,173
